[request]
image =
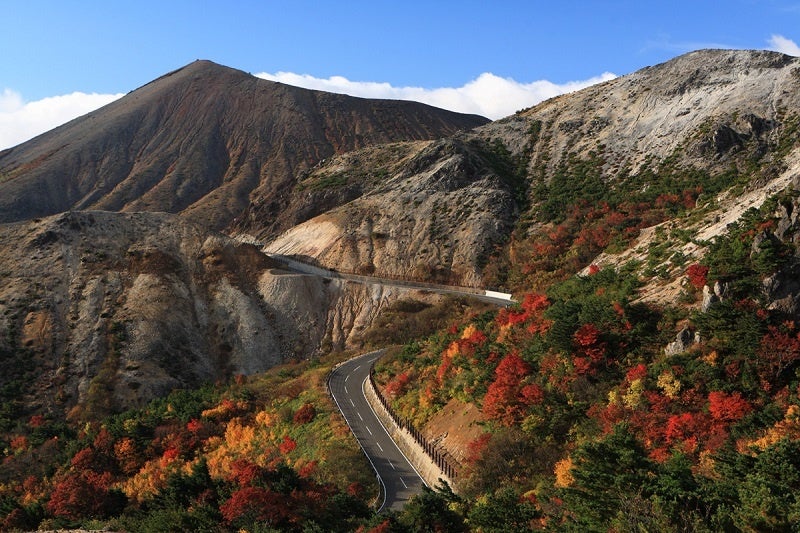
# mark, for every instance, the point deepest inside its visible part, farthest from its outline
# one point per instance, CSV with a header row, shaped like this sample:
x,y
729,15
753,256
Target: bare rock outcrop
x,y
116,309
437,219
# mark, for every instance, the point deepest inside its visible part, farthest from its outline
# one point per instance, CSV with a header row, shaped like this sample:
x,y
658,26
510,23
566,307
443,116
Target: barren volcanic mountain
x,y
201,141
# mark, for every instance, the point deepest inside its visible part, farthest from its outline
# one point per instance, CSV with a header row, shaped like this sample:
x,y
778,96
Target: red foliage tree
x,y
697,274
727,407
85,494
590,349
19,443
255,504
694,429
307,470
779,350
244,473
607,416
680,427
535,302
531,394
476,447
305,414
508,397
397,385
355,489
637,372
84,459
287,445
104,441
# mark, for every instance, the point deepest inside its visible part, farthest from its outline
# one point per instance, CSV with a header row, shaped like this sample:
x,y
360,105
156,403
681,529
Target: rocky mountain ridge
x,y
709,110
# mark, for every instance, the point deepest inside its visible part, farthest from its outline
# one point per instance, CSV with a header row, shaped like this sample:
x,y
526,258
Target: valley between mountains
x,y
161,371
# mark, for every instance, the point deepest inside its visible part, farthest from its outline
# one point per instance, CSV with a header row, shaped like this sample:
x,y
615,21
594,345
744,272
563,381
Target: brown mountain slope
x,y
200,141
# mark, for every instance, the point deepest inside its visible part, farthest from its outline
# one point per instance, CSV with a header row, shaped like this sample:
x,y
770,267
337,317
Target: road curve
x,y
398,479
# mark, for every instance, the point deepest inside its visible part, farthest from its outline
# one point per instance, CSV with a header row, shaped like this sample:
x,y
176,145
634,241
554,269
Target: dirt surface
x,y
454,427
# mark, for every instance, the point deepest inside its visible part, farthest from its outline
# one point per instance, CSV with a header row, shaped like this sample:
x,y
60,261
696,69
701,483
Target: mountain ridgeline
x,y
648,226
201,141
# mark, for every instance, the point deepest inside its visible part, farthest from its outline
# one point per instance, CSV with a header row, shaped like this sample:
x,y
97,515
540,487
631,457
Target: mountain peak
x,y
198,141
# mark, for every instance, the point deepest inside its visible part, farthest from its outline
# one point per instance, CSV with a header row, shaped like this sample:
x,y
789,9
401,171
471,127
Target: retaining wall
x,y
426,467
299,266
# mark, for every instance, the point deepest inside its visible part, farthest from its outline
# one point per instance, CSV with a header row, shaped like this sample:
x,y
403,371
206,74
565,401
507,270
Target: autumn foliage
x,y
590,349
697,274
305,414
85,493
255,504
508,396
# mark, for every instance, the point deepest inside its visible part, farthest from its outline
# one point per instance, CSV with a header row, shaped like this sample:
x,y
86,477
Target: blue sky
x,y
61,59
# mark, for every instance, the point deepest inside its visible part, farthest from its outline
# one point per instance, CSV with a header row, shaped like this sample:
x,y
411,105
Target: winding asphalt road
x,y
398,479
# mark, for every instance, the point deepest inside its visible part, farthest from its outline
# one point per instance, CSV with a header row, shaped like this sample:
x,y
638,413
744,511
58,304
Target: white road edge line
x,y
363,385
377,474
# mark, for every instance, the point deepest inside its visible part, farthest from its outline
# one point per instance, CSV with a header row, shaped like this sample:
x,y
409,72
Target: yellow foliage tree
x,y
563,472
152,477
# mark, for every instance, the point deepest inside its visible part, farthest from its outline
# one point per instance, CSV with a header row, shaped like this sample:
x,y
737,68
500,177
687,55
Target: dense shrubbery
x,y
267,452
591,425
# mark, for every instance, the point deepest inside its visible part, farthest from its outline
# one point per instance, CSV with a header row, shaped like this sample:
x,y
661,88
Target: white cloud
x,y
779,43
488,95
20,120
